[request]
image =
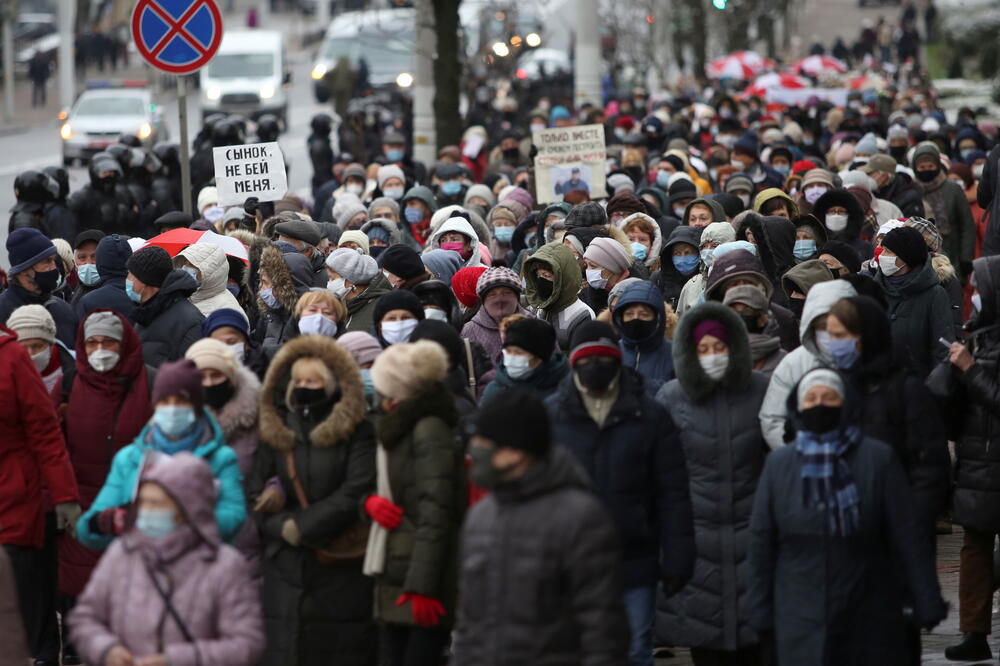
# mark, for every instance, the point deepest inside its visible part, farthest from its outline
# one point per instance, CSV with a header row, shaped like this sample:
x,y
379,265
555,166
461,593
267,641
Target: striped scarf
x,y
826,476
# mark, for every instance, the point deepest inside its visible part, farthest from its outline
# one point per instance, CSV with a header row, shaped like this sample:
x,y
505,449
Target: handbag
x,y
349,546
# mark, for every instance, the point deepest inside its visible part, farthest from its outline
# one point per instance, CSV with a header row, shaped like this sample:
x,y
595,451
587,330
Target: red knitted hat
x,y
463,283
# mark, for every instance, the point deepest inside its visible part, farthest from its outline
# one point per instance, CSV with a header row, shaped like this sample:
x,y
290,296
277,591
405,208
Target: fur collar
x,y
272,262
397,424
689,373
240,413
340,424
943,267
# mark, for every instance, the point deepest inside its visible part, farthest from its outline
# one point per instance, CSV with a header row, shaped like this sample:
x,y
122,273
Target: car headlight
x,y
533,40
66,132
267,92
404,80
213,93
319,71
145,131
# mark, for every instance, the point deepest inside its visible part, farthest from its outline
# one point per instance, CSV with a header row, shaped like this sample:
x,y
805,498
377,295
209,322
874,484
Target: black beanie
x,y
397,299
908,244
533,335
515,419
151,265
444,335
402,261
843,253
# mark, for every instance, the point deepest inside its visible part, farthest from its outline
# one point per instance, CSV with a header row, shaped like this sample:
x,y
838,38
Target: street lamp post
x,y
424,134
587,68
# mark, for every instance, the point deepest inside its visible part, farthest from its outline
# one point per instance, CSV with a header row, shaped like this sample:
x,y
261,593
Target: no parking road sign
x,y
177,36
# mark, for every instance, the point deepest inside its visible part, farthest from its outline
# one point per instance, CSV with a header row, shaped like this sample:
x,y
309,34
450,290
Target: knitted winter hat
x,y
589,214
33,321
397,299
594,338
464,283
499,276
26,247
151,265
355,236
389,171
363,347
225,317
180,378
534,335
908,244
214,354
106,324
713,328
610,254
529,432
405,370
402,261
209,196
353,266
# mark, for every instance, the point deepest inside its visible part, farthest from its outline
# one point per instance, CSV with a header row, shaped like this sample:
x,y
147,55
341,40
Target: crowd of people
x,y
424,417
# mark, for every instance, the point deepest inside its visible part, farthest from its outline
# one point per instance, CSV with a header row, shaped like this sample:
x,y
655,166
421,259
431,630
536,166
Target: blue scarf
x,y
188,442
826,476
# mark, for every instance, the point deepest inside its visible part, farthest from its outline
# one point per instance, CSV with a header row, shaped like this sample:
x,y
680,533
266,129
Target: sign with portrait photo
x,y
569,159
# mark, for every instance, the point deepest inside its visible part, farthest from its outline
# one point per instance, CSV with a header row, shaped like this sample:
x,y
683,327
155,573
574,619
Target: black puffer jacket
x,y
906,194
536,590
724,449
168,323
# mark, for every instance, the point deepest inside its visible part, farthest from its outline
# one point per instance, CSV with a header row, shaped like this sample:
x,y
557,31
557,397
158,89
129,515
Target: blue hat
x,y
26,247
225,317
559,113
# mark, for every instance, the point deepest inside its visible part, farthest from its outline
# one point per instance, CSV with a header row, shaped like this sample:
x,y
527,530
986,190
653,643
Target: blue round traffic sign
x,y
177,36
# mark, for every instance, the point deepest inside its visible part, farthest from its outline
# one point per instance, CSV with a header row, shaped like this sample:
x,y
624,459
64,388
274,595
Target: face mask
x,y
662,179
529,238
267,295
752,321
964,154
482,470
130,292
155,523
450,188
796,305
354,188
812,194
707,257
41,359
638,330
898,153
517,365
843,352
238,350
395,332
977,302
435,314
317,324
376,250
501,306
47,281
454,246
887,264
394,155
544,288
413,215
503,234
977,172
927,176
783,169
338,287
537,127
103,360
303,397
686,264
714,365
727,140
679,212
598,374
820,419
193,272
369,383
638,250
745,199
394,193
174,420
233,289
512,153
804,249
736,163
836,223
217,396
595,280
88,275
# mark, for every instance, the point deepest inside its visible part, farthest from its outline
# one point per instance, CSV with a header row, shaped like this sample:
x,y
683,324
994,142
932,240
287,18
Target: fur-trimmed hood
x,y
346,414
657,242
240,413
284,285
391,228
688,369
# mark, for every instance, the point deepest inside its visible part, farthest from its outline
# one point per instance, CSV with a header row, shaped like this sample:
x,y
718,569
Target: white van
x,y
248,76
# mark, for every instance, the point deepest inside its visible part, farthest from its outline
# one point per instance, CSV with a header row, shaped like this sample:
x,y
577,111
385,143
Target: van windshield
x,y
241,65
385,54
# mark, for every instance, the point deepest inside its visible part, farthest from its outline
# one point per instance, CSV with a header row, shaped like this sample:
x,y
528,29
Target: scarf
x,y
826,476
378,537
187,442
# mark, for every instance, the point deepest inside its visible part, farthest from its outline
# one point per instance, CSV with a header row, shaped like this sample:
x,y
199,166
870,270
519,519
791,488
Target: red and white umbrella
x,y
765,82
175,240
739,65
868,81
817,65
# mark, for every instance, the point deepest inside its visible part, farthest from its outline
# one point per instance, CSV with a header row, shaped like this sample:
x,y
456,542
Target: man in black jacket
x,y
628,444
536,590
113,253
34,276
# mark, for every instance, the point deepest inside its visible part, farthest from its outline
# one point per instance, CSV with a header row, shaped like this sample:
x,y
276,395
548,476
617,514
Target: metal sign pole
x,y
182,117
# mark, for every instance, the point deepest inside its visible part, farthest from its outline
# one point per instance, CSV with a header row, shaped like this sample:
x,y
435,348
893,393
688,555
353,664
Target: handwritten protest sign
x,y
568,159
255,170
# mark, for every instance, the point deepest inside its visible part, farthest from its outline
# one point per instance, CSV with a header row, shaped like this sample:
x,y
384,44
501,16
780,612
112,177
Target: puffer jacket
x,y
773,411
563,309
168,323
206,582
668,278
652,356
725,453
212,295
464,227
538,591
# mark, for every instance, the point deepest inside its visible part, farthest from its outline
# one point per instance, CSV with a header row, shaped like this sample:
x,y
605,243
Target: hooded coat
x,y
920,312
334,451
106,411
771,194
652,356
636,465
563,308
774,410
168,323
462,226
561,576
668,278
212,295
718,212
291,276
855,220
391,228
111,260
207,583
656,245
775,241
725,453
694,289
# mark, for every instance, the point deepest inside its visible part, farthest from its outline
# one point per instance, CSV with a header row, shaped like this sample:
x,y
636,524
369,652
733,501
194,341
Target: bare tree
x,y
447,73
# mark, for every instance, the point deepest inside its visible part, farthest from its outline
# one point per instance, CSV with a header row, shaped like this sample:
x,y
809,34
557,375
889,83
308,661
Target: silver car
x,y
104,112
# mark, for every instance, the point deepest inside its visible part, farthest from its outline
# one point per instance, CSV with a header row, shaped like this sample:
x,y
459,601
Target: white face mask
x,y
836,223
338,287
714,365
977,171
594,278
354,188
435,314
317,324
679,212
537,127
887,264
394,193
745,199
813,193
42,358
103,360
238,350
395,332
517,365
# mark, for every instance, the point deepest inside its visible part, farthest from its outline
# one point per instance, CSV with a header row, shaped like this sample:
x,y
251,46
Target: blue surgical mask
x,y
394,155
156,523
804,249
843,352
130,292
88,275
267,295
707,257
174,420
413,215
394,193
450,188
783,169
369,383
638,251
193,272
662,179
503,234
686,264
233,289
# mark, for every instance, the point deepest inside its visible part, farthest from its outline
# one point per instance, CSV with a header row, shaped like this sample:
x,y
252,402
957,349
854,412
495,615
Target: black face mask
x,y
927,176
634,172
638,329
217,396
750,320
796,305
511,154
376,250
307,397
820,419
106,185
898,153
544,288
598,374
47,280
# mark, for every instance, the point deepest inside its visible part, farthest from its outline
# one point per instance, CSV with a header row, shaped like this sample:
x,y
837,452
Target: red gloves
x,y
110,522
384,512
427,611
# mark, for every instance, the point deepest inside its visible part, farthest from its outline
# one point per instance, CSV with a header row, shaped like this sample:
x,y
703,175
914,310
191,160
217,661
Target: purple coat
x,y
482,329
208,584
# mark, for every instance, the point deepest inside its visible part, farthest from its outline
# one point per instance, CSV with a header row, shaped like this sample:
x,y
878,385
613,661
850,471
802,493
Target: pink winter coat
x,y
207,582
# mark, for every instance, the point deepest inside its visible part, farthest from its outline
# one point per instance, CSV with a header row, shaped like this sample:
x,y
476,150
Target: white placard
x,y
252,170
568,159
799,96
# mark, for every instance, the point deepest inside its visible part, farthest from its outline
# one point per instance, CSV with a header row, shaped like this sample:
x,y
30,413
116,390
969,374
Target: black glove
x,y
673,584
251,206
965,269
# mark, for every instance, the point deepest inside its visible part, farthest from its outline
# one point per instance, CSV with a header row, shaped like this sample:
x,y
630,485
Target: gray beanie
x,y
103,323
819,377
349,211
355,267
608,253
32,321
